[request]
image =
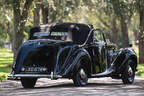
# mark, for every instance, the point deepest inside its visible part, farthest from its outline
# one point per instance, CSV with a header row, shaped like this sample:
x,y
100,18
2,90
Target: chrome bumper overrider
x,y
18,76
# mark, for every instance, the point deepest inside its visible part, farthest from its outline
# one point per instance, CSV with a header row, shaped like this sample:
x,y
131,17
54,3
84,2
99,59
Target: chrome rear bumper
x,y
18,76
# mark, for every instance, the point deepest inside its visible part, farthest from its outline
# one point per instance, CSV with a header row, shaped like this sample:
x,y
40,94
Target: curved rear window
x,y
43,34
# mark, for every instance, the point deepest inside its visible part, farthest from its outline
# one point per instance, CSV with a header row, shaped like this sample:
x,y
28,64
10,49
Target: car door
x,y
110,52
99,53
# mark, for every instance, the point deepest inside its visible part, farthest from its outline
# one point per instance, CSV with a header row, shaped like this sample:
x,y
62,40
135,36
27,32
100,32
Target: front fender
x,y
123,56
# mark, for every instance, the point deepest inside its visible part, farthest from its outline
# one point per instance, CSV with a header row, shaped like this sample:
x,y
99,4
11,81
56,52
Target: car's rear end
x,y
49,56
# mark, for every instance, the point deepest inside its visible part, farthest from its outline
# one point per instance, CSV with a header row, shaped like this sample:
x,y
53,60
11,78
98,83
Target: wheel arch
x,y
82,55
134,59
86,63
126,54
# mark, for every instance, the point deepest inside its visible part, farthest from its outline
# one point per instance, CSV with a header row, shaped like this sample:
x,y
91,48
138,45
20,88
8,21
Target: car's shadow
x,y
96,86
70,85
90,84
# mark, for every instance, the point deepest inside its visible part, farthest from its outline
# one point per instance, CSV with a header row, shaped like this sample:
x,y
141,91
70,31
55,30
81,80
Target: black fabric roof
x,y
63,27
78,31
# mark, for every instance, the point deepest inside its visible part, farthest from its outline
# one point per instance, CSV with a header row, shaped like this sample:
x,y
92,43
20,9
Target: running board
x,y
103,74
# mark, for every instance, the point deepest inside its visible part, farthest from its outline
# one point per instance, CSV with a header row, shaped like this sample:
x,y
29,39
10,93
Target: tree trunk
x,y
10,34
37,15
45,12
124,30
114,31
19,20
141,37
135,32
16,13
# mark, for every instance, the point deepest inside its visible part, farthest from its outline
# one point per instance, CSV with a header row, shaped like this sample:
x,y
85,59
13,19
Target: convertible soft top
x,y
77,31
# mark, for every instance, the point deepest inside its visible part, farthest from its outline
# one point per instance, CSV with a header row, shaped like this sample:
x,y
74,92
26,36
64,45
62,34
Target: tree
x,y
6,30
112,25
37,12
124,11
54,10
114,10
140,8
107,19
20,15
45,11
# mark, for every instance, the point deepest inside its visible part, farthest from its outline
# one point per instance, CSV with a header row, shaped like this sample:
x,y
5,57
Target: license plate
x,y
34,69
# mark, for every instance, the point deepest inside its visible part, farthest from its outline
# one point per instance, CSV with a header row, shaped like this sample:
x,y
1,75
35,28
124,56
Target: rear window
x,y
58,34
41,34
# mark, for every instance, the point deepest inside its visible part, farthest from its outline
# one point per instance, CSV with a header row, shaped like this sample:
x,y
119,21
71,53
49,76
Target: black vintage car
x,y
71,50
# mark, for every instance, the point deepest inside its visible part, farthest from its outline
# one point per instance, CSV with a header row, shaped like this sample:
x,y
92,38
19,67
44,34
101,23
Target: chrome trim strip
x,y
107,72
11,76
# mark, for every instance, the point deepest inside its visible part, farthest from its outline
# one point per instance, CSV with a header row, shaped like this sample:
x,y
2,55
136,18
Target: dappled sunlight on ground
x,y
65,87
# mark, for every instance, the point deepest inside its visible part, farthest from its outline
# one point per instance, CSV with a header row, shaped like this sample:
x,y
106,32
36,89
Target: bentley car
x,y
71,50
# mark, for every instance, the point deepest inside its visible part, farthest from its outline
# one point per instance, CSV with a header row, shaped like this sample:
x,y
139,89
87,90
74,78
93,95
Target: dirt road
x,y
64,87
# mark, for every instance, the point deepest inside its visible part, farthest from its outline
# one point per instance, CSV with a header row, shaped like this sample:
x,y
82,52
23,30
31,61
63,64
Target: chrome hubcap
x,y
83,77
130,71
82,73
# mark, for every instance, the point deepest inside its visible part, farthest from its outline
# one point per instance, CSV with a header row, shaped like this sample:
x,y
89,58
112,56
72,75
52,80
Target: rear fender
x,y
74,65
22,54
27,50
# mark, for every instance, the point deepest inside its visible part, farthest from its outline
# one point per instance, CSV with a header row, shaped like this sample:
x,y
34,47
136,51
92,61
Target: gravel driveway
x,y
65,87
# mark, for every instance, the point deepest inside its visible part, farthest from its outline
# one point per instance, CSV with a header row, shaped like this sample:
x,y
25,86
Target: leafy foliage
x,y
5,20
107,14
122,8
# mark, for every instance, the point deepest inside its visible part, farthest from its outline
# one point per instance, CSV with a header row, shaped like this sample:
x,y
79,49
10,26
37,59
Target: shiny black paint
x,y
123,56
61,58
97,51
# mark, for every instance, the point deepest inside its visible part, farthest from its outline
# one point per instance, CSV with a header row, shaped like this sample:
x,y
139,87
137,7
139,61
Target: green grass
x,y
140,67
6,59
140,71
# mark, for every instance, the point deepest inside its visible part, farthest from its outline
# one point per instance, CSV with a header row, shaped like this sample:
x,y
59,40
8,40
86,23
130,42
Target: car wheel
x,y
28,82
81,77
128,74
